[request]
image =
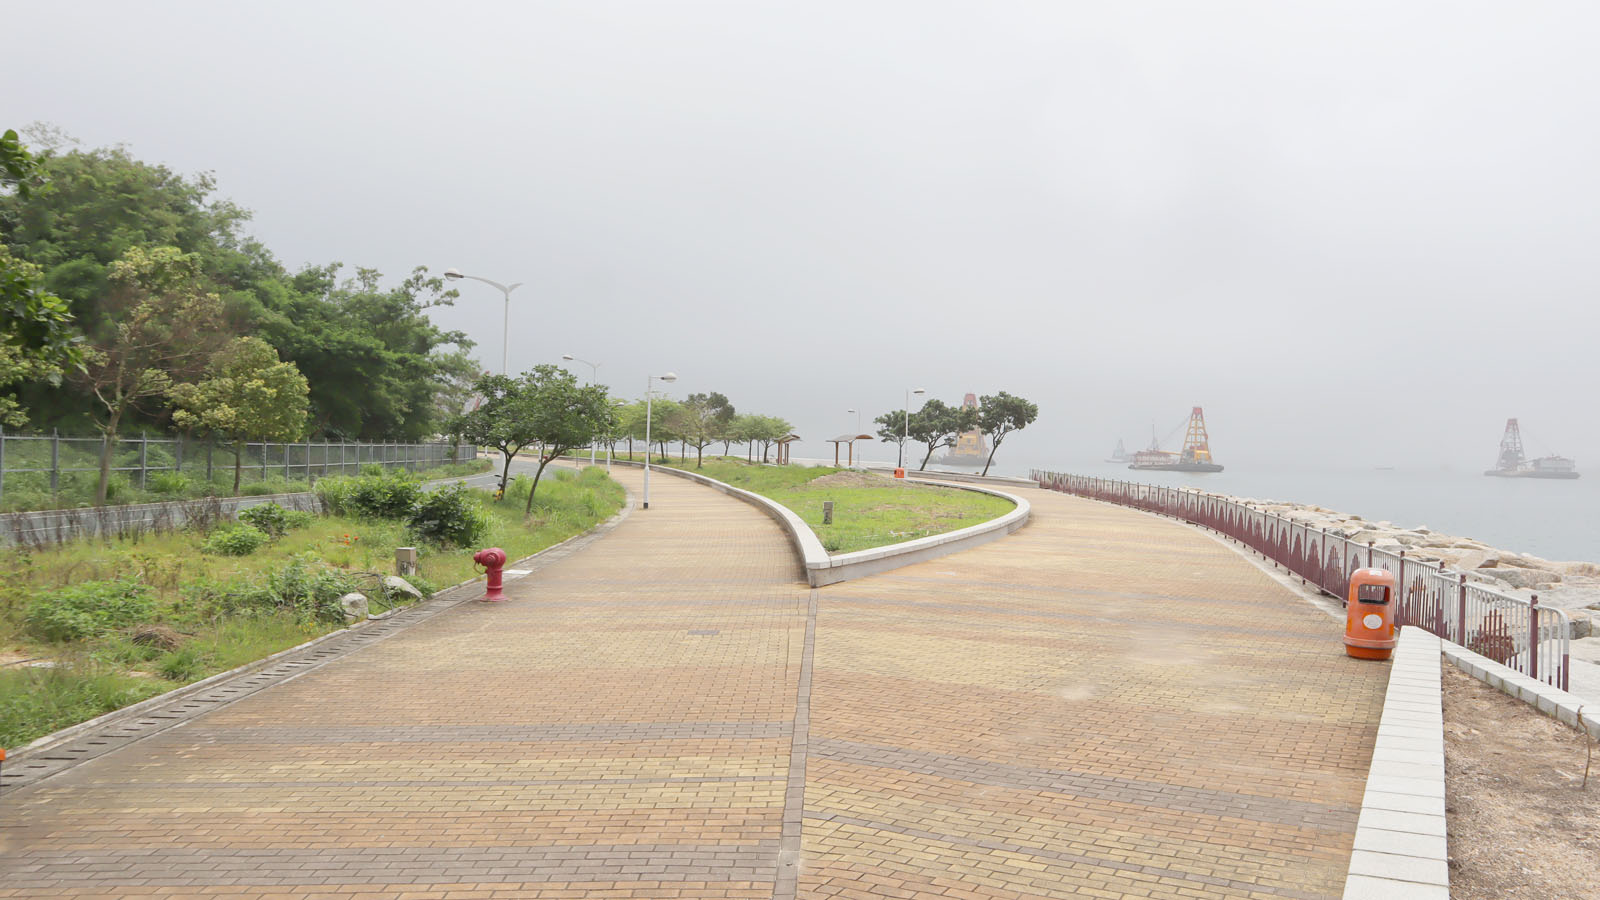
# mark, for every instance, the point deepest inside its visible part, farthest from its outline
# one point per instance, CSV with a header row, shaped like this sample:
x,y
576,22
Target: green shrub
x,y
274,520
304,586
170,483
384,496
183,664
88,608
35,702
450,517
234,540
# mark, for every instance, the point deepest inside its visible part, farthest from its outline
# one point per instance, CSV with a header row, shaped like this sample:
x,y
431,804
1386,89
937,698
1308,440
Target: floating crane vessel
x,y
1513,464
1194,457
1119,455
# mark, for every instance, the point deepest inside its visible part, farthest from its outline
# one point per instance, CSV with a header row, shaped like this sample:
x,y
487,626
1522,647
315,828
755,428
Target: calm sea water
x,y
1557,520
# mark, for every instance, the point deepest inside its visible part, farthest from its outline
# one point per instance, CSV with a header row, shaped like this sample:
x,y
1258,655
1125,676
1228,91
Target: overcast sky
x,y
1353,232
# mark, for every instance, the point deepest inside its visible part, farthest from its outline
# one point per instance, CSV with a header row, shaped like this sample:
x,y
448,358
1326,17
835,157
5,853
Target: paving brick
x,y
1103,705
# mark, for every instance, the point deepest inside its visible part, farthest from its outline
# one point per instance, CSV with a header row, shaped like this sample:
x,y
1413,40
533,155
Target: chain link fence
x,y
41,471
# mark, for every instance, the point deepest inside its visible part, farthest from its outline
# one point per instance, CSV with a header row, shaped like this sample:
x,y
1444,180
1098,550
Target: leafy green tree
x,y
666,418
938,424
892,430
37,337
19,169
248,394
499,421
765,431
378,365
160,329
561,415
704,419
1001,414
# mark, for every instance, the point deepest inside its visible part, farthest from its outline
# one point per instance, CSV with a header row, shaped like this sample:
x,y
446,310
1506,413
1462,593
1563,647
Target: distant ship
x,y
1120,455
1194,457
971,449
1512,463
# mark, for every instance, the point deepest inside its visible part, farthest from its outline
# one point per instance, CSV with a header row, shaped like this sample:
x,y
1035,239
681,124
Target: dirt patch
x,y
1520,825
854,479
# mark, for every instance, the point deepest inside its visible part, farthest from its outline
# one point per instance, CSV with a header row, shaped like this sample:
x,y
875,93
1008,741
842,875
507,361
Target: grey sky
x,y
1298,215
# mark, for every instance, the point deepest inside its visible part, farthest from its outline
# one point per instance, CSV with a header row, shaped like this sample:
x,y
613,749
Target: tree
x,y
37,337
1001,414
892,430
703,419
766,431
665,417
938,424
561,415
160,329
248,394
498,421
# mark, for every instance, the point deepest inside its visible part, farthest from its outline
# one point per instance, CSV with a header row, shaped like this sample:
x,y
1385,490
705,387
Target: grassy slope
x,y
98,675
868,510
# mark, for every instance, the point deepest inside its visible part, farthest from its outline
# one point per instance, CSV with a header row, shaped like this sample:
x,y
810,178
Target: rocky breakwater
x,y
1572,586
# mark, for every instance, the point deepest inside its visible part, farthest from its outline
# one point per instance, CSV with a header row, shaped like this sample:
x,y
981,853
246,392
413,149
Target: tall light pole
x,y
853,437
906,436
594,378
649,392
505,329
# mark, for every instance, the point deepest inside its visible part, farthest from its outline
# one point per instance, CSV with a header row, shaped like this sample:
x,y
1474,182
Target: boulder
x,y
1582,625
355,606
1526,578
395,585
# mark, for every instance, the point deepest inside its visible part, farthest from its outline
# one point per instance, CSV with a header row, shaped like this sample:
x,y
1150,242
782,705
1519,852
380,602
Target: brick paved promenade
x,y
1103,704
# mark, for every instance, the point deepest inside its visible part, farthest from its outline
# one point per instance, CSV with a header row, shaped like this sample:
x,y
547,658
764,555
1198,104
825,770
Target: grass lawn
x,y
198,597
868,510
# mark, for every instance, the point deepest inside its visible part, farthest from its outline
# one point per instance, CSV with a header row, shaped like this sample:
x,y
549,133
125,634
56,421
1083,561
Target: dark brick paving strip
x,y
425,734
1245,887
1179,798
397,865
786,881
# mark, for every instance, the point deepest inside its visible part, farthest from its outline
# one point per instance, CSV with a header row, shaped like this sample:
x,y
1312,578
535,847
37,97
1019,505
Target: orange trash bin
x,y
1369,615
899,473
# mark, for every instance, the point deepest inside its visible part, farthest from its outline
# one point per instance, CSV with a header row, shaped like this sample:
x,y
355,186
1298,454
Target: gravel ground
x,y
1520,824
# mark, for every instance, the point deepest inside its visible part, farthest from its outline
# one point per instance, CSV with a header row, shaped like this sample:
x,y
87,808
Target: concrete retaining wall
x,y
821,568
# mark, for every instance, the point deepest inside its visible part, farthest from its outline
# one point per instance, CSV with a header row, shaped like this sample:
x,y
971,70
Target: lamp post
x,y
853,436
669,378
906,435
594,378
505,329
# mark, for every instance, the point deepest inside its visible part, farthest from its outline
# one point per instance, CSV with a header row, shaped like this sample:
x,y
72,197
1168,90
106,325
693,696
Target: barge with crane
x,y
1513,464
1194,457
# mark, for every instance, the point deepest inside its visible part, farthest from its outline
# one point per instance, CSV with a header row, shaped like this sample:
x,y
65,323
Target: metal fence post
x,y
308,457
2,462
210,444
1400,582
55,459
1461,599
144,451
1533,637
1369,553
286,447
177,455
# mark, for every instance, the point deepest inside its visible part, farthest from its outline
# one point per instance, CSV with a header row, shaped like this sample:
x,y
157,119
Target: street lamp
x,y
505,331
669,378
853,436
594,378
907,435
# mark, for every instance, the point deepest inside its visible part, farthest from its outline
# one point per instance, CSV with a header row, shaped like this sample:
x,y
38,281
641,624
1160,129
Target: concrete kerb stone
x,y
1400,848
823,569
1548,699
140,709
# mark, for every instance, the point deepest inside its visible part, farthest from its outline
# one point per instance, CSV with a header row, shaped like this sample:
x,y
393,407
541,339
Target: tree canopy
x,y
938,424
248,394
377,367
1001,414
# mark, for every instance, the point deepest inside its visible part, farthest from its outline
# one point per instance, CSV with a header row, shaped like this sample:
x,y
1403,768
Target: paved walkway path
x,y
1103,704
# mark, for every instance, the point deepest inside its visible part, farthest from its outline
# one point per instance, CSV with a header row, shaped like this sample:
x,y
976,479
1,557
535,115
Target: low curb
x,y
823,569
1547,698
1401,851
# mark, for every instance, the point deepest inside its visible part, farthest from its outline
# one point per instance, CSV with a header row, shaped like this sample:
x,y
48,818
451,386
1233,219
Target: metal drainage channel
x,y
27,769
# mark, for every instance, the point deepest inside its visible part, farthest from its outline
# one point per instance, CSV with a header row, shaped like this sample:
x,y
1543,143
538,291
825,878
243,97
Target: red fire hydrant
x,y
493,559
